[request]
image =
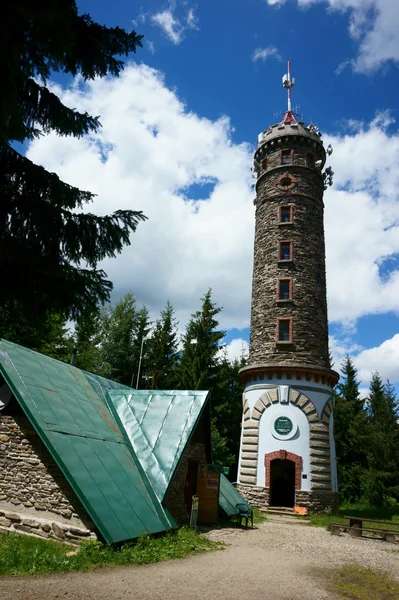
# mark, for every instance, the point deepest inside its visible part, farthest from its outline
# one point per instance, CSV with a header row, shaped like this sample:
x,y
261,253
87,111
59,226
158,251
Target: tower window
x,y
310,160
285,251
284,289
284,330
287,157
286,214
264,164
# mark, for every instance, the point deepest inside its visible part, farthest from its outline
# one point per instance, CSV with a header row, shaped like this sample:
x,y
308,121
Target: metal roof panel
x,y
159,425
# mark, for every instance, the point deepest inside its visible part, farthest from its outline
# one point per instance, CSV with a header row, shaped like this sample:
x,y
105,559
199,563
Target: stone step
x,y
287,520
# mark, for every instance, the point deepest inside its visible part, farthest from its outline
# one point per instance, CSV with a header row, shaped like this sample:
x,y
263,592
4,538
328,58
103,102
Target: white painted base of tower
x,y
288,432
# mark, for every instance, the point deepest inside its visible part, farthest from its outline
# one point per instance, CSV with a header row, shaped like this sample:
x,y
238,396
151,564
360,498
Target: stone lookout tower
x,y
287,454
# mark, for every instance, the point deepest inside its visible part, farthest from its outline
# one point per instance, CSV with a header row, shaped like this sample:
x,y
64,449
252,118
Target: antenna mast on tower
x,y
288,83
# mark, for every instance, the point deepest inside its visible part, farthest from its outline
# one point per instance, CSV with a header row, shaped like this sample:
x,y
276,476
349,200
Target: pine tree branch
x,y
44,108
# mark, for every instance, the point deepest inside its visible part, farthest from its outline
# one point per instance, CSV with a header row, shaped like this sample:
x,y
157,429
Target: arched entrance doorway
x,y
282,483
283,477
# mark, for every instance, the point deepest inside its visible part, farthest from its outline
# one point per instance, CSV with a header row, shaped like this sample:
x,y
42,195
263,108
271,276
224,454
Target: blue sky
x,y
180,127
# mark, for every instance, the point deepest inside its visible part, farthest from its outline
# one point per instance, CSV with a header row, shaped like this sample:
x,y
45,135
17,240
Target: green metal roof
x,y
75,424
229,497
158,425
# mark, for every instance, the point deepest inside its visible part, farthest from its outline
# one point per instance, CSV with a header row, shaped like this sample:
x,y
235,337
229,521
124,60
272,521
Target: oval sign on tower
x,y
283,425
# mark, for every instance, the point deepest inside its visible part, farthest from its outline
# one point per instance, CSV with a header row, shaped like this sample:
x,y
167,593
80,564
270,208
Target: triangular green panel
x,y
159,425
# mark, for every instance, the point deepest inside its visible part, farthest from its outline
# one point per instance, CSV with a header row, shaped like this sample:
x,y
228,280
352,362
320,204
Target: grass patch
x,y
359,583
390,515
259,516
23,555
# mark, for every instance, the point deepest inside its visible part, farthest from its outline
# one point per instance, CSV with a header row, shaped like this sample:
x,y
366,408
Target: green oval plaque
x,y
283,425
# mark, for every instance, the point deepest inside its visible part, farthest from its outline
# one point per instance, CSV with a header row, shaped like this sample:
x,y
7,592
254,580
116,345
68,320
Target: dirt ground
x,y
275,561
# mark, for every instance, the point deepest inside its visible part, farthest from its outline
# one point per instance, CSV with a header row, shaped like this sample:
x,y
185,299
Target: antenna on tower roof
x,y
288,83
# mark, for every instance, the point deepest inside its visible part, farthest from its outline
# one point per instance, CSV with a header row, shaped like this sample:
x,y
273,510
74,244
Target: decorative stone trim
x,y
300,373
284,455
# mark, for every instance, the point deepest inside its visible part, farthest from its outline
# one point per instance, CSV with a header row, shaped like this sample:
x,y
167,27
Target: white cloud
x,y
383,358
151,47
236,349
264,53
362,221
173,27
374,24
149,152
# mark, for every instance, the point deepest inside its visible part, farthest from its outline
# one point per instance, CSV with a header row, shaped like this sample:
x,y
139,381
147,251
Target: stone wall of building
x,y
317,501
34,494
308,307
175,498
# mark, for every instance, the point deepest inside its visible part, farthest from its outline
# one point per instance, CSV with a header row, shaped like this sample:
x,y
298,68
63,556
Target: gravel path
x,y
275,561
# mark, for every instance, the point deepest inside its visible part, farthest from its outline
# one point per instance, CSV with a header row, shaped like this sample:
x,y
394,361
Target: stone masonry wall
x,y
34,495
308,307
175,498
255,495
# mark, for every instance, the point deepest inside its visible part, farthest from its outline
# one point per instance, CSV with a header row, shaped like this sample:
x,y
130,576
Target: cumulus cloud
x,y
264,53
362,221
383,358
374,24
187,176
173,27
236,349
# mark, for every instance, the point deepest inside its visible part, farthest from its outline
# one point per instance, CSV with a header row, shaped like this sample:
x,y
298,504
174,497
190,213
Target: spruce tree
x,y
382,481
163,350
350,434
88,337
49,247
200,357
118,345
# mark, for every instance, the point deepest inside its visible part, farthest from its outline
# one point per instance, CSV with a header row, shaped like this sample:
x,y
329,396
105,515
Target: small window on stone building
x,y
285,289
284,330
285,251
264,164
310,160
286,157
285,214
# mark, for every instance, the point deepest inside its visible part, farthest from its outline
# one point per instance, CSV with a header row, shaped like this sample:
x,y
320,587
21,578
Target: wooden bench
x,y
356,528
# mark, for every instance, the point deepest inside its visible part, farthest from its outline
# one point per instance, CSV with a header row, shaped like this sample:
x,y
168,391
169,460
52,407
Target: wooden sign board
x,y
208,483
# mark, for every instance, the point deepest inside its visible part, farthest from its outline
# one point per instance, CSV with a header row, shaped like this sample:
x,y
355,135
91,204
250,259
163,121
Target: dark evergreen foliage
x,y
163,353
48,251
199,361
350,434
381,481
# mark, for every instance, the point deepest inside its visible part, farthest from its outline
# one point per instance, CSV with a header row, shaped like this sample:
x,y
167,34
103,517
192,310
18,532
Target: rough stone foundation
x,y
254,494
27,524
314,501
317,500
35,498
